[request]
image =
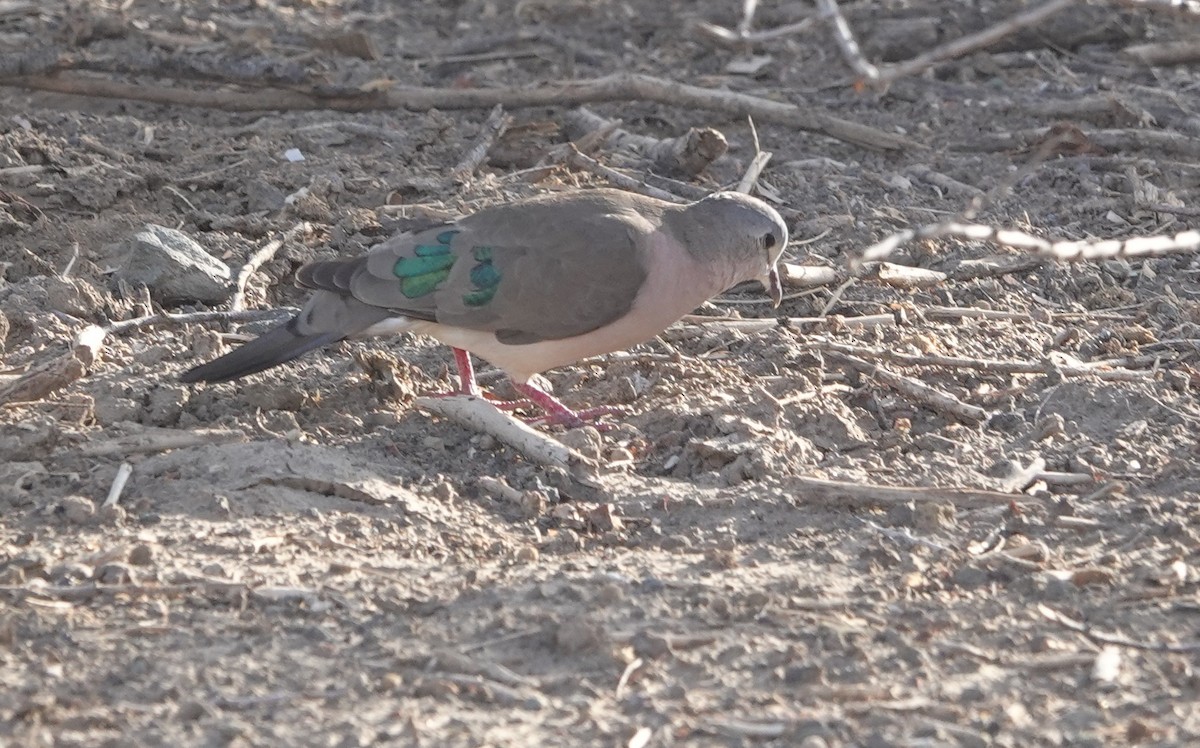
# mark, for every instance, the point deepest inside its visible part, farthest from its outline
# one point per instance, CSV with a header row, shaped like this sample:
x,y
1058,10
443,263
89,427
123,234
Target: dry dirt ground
x,y
322,563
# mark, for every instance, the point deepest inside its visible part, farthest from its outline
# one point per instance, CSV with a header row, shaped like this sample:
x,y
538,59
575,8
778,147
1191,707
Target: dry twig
x,y
930,396
572,156
262,256
118,484
994,366
971,43
479,415
685,155
493,128
1164,53
152,440
1069,251
1114,639
845,40
842,494
616,87
64,369
743,38
58,372
753,171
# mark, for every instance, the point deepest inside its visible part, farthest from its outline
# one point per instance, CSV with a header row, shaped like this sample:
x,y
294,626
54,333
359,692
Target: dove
x,y
532,284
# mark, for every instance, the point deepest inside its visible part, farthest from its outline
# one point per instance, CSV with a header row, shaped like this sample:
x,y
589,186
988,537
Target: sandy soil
x,y
322,563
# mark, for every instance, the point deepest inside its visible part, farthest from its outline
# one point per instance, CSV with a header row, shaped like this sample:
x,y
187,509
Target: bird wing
x,y
541,270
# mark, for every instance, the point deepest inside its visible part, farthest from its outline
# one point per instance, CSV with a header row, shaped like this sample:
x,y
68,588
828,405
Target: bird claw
x,y
550,416
508,406
575,419
554,412
557,414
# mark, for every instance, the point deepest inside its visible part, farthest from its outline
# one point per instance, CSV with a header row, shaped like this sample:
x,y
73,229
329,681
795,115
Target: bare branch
x,y
1069,251
618,87
972,42
845,40
262,256
493,128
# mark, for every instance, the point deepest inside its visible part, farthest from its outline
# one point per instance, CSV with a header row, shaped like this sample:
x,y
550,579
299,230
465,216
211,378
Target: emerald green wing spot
x,y
421,275
406,267
428,268
415,286
484,277
479,298
442,247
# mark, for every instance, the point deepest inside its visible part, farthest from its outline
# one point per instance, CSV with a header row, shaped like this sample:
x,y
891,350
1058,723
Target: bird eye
x,y
768,241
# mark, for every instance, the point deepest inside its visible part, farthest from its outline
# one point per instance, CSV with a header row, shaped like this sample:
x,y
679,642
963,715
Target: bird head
x,y
749,234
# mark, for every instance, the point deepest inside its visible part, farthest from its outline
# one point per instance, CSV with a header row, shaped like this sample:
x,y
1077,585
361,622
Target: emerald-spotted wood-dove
x,y
533,284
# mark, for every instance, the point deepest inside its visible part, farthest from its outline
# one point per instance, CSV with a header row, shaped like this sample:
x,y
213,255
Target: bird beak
x,y
774,286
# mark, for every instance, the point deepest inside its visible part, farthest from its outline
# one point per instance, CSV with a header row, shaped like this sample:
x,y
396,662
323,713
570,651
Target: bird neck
x,y
706,243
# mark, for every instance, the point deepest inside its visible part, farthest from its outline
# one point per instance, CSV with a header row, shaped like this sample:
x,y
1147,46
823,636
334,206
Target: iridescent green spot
x,y
429,268
406,267
418,285
484,277
479,298
421,275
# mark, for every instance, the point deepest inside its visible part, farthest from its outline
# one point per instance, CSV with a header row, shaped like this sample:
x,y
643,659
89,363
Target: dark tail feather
x,y
275,347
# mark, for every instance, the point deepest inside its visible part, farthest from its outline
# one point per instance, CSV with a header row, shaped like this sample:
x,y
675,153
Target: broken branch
x,y
618,87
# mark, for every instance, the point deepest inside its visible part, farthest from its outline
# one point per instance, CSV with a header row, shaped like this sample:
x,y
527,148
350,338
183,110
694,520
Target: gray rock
x,y
173,267
263,196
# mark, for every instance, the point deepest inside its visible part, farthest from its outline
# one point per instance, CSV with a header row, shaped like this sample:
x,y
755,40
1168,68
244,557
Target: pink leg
x,y
468,386
557,413
466,373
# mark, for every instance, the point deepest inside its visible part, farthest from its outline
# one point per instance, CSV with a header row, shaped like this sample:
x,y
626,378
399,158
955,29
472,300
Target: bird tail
x,y
278,346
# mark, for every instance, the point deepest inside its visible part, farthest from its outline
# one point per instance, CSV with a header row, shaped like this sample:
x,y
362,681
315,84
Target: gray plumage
x,y
533,284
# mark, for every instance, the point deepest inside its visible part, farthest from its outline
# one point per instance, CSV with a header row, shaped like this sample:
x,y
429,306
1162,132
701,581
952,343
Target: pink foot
x,y
555,412
559,414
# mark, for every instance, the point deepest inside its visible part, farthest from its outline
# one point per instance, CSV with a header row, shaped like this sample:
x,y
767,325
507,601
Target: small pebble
x,y
141,555
1051,425
115,573
70,572
190,711
610,594
113,514
970,577
78,510
620,455
566,541
803,675
534,503
577,635
391,682
444,492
